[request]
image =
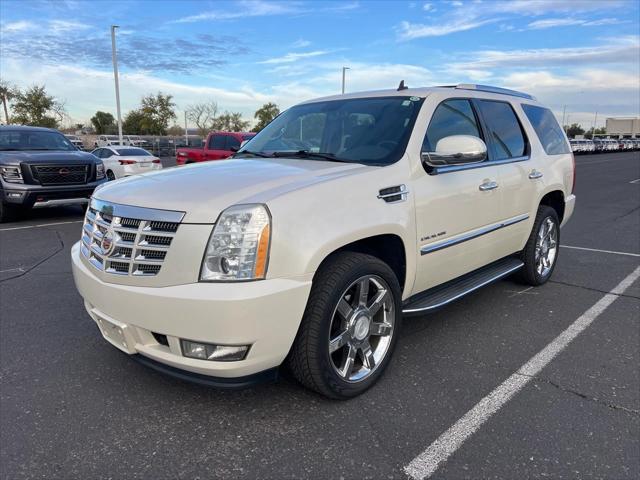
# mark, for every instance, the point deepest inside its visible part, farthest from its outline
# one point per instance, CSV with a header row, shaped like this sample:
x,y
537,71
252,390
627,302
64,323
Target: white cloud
x,y
294,57
13,27
300,43
428,7
245,8
62,26
564,22
579,80
554,22
410,31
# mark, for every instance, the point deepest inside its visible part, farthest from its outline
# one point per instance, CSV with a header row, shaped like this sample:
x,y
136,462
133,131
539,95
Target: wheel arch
x,y
555,200
388,247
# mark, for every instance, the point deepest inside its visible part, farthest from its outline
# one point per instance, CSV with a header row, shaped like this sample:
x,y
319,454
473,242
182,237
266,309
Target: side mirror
x,y
234,149
456,150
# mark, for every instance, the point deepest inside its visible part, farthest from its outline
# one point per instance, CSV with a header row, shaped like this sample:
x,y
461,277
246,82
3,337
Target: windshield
x,y
133,152
34,140
373,131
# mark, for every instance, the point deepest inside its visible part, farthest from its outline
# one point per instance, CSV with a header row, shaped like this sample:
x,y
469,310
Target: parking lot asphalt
x,y
72,406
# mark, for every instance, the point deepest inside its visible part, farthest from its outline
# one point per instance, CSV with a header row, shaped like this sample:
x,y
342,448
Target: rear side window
x,y
451,117
218,142
547,129
504,128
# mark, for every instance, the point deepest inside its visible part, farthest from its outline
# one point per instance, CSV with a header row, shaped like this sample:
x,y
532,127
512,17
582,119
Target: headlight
x,y
11,174
238,248
99,171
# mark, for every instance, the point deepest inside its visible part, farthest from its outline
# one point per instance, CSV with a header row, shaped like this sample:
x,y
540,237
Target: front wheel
x,y
540,254
350,326
110,176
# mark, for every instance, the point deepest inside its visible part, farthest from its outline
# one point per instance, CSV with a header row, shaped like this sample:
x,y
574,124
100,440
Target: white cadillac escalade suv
x,y
308,247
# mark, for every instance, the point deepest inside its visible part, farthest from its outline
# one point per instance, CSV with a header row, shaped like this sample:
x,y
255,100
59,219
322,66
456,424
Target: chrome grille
x,y
139,245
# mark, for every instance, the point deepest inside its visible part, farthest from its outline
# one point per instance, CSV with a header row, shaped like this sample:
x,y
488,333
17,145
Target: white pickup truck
x,y
308,247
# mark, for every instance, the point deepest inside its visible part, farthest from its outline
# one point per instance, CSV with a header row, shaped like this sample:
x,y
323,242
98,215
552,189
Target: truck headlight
x,y
99,171
238,248
11,174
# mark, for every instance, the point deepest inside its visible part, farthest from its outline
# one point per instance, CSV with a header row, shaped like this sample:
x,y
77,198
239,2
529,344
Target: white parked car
x,y
77,141
307,248
108,140
135,141
125,161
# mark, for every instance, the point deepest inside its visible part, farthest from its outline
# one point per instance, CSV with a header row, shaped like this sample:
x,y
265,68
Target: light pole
x,y
344,69
564,109
115,76
186,134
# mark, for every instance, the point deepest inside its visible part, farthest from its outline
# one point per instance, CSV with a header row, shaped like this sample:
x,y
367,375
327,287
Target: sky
x,y
579,56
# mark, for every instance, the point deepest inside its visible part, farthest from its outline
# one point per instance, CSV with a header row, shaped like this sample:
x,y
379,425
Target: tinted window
x,y
232,142
133,152
547,128
34,140
372,131
452,117
218,142
504,128
106,153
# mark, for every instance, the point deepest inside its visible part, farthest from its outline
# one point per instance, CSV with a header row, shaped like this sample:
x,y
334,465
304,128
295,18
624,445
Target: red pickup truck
x,y
218,145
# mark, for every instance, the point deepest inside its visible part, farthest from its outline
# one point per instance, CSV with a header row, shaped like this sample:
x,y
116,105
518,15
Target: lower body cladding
x,y
161,323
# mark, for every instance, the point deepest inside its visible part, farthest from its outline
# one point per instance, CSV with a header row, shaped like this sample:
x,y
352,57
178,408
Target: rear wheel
x,y
350,326
540,254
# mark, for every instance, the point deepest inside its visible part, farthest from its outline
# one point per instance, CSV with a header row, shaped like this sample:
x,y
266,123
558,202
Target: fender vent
x,y
394,194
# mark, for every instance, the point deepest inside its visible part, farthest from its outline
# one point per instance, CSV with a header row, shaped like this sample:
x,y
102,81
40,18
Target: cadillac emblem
x,y
108,242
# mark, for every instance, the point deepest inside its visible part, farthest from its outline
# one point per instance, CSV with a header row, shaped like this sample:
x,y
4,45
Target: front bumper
x,y
264,314
38,196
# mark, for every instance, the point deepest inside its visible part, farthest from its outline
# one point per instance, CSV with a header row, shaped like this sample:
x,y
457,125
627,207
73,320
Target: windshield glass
x,y
34,140
133,152
373,131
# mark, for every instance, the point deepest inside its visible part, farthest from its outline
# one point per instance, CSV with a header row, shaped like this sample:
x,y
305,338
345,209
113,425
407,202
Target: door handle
x,y
486,186
535,174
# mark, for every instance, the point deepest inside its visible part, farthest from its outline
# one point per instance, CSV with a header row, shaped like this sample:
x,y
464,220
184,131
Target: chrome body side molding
x,y
450,242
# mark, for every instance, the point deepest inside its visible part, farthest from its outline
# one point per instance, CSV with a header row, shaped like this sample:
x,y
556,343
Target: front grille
x,y
60,174
139,246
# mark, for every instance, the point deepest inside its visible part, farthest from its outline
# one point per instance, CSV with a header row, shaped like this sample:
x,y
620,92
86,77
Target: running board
x,y
448,292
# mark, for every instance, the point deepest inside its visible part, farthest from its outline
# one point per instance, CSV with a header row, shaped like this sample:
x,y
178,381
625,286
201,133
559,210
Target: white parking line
x,y
637,180
38,226
425,464
601,251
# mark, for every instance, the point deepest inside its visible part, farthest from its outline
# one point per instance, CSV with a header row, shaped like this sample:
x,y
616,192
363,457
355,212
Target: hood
x,y
205,189
14,157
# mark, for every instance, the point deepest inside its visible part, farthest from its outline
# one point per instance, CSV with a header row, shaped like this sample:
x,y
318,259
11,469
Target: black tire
x,y
110,176
309,359
529,274
8,212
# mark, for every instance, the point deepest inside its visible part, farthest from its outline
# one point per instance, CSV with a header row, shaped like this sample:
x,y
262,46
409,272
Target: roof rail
x,y
490,89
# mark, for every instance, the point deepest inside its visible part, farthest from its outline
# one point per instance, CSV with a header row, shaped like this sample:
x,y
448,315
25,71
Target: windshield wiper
x,y
307,154
256,154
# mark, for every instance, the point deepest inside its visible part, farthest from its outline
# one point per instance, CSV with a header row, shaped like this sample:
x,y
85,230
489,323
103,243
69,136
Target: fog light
x,y
14,195
219,353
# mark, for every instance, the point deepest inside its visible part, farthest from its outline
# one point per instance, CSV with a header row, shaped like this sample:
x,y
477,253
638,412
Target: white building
x,y
623,127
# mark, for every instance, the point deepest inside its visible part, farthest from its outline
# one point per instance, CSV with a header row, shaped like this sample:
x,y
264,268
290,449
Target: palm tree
x,y
7,92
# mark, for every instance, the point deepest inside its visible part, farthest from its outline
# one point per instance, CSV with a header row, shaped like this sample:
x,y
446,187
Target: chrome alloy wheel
x,y
361,328
546,247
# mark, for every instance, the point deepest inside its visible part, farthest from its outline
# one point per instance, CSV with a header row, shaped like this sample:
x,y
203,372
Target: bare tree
x,y
203,115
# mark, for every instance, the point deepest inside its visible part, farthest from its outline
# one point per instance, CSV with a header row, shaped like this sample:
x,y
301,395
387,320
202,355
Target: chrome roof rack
x,y
490,89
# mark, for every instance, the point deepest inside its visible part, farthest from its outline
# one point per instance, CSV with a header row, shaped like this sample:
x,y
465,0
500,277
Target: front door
x,y
457,208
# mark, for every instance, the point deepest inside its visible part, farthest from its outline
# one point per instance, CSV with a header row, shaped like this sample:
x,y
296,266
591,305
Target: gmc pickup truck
x,y
40,167
218,146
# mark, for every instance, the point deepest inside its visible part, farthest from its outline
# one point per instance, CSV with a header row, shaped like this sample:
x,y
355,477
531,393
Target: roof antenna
x,y
402,86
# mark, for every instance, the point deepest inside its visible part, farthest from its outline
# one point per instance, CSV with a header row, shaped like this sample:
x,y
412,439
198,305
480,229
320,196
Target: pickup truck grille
x,y
60,174
124,245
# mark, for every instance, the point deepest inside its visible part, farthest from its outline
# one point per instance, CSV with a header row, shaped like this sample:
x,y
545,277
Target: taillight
x,y
127,162
573,184
155,161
